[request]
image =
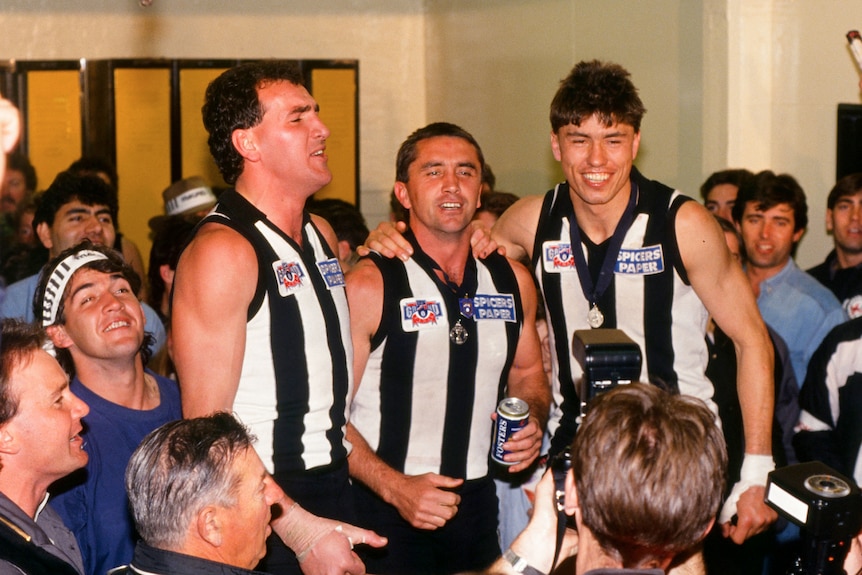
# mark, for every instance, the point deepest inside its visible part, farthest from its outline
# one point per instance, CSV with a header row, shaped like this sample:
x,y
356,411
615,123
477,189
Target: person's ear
x,y
401,193
166,273
245,144
43,230
555,146
208,526
59,336
8,445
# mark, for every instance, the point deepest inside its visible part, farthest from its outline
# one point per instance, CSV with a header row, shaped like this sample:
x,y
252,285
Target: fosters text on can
x,y
512,414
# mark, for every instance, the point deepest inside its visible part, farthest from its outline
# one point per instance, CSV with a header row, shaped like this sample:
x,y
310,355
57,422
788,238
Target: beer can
x,y
512,414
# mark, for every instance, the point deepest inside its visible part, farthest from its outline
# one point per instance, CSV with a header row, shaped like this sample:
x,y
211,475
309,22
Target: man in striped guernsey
x,y
647,261
438,340
260,314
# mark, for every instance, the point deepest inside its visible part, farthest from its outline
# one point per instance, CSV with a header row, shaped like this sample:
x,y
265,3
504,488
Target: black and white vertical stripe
x,y
661,312
297,370
424,402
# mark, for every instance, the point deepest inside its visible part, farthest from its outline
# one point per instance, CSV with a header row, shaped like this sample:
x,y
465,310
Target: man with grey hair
x,y
201,498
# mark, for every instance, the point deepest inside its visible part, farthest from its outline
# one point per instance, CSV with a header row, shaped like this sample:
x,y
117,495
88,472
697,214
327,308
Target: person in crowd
x,y
720,189
438,341
40,442
25,255
842,270
170,234
721,555
72,209
348,224
492,206
19,182
635,276
17,186
268,336
644,487
190,198
201,499
105,170
830,425
771,213
86,302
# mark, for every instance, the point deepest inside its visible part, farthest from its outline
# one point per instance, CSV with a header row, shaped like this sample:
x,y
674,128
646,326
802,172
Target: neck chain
x,y
593,293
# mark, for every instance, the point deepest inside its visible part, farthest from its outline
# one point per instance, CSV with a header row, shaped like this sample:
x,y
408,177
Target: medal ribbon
x,y
594,292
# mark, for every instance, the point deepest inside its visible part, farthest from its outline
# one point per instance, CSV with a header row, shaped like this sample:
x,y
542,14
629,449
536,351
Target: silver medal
x,y
458,334
595,317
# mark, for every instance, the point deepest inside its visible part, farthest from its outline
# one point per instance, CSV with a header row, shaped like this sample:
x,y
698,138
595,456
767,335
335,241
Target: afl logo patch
x,y
557,257
419,314
290,277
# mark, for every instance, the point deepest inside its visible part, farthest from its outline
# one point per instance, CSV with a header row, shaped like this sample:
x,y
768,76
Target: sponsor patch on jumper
x,y
640,261
500,306
423,314
331,272
557,257
290,277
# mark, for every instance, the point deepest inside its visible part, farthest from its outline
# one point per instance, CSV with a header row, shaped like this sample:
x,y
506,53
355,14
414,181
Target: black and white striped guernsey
x,y
424,402
297,371
649,298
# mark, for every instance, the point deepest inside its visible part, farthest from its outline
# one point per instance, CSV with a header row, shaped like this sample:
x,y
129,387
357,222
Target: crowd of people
x,y
284,392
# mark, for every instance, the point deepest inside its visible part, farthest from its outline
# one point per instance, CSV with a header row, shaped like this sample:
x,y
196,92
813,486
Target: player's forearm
x,y
367,467
755,387
533,388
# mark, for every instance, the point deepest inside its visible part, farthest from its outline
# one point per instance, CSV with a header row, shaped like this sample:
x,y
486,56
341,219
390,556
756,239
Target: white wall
x,y
386,36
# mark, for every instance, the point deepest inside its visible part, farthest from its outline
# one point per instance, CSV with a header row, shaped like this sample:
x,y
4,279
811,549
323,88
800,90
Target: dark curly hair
x,y
597,88
232,104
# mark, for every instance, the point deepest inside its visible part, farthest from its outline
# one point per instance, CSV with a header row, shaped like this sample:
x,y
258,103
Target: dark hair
x,y
767,190
849,185
232,103
496,203
93,166
67,187
733,177
180,468
407,151
345,219
169,238
21,163
649,468
18,341
597,88
115,264
488,177
728,228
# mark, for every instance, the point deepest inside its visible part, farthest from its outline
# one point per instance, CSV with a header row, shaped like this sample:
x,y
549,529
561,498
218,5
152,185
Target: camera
x,y
828,508
608,358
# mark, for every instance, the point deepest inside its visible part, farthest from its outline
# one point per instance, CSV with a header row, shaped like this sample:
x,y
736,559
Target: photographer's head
x,y
647,475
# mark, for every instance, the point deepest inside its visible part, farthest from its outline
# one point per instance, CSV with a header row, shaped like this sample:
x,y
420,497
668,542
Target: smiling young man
x,y
40,442
438,341
648,261
771,213
86,302
260,319
842,270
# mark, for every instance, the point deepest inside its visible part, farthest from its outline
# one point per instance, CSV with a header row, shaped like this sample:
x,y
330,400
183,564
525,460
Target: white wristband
x,y
755,469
